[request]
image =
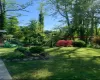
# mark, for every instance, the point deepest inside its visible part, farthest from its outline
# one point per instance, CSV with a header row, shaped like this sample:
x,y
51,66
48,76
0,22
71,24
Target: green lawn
x,y
64,64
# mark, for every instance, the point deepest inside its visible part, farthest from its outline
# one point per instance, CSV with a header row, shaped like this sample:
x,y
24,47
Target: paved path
x,y
4,74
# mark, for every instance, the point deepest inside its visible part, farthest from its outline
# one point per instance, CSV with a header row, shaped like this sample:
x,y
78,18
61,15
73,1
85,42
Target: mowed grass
x,y
66,63
6,51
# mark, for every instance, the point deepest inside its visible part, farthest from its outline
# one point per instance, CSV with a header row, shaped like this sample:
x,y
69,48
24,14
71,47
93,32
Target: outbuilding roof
x,y
3,31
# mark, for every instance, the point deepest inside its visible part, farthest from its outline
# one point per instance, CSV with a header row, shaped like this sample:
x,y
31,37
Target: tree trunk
x,y
92,24
2,16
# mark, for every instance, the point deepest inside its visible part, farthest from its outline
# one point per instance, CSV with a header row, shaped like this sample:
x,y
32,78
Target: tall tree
x,y
4,7
41,17
62,7
12,26
33,25
81,16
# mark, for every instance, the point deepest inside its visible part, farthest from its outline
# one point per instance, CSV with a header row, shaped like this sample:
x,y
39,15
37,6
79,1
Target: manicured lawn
x,y
64,64
6,51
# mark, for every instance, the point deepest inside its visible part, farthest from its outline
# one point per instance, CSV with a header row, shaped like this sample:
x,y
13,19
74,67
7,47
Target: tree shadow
x,y
67,52
60,67
74,69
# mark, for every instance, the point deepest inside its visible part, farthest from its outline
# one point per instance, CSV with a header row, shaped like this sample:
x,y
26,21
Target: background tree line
x,y
80,16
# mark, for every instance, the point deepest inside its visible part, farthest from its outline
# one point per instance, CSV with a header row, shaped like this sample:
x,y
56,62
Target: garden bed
x,y
26,59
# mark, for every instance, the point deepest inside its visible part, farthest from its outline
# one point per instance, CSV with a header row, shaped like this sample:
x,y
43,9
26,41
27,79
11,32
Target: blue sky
x,y
49,21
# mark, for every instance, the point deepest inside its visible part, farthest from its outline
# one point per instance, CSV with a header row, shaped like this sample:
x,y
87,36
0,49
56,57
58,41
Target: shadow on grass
x,y
75,69
66,52
57,69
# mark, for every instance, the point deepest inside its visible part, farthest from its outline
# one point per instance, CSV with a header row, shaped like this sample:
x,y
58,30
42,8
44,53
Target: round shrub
x,y
60,43
79,43
36,50
7,44
14,41
23,50
64,43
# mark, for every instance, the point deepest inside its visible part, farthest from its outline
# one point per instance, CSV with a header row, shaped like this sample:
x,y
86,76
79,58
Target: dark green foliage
x,y
33,25
41,18
14,41
36,50
7,44
32,34
12,25
79,43
26,44
23,50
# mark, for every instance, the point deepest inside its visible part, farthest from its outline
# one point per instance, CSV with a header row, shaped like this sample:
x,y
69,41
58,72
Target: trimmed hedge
x,y
23,50
37,50
79,43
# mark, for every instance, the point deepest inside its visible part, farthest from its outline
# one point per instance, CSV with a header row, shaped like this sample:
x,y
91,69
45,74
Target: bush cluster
x,y
29,52
64,43
96,40
22,53
14,41
8,44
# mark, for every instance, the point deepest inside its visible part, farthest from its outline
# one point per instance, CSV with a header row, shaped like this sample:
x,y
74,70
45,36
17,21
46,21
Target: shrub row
x,y
29,52
64,43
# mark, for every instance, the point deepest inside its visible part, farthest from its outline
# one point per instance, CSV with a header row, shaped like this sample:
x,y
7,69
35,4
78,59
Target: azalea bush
x,y
64,43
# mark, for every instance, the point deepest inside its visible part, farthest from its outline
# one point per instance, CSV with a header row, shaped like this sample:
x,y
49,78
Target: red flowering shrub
x,y
69,43
60,43
64,43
